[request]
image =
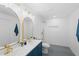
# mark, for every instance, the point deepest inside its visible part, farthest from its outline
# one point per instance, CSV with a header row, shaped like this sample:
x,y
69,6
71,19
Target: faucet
x,y
7,49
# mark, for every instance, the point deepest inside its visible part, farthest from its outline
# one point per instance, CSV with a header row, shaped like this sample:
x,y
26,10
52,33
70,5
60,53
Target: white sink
x,y
22,51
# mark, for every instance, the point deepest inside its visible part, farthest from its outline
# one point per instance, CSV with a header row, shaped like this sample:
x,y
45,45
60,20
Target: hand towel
x,y
16,30
77,33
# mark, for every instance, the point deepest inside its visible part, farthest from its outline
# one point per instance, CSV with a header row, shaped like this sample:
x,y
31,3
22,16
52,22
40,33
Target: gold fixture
x,y
7,49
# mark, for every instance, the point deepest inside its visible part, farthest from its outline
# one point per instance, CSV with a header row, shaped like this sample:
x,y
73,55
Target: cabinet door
x,y
37,51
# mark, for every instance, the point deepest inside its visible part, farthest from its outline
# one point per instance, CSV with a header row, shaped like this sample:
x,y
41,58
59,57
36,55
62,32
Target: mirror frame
x,y
23,29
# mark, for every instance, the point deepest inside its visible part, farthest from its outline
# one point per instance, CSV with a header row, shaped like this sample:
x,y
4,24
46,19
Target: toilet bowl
x,y
45,47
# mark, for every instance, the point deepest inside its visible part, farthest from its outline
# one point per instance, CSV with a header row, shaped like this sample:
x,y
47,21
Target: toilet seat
x,y
45,45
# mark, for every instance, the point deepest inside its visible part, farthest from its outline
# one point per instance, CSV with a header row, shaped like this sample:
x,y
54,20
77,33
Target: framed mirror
x,y
28,28
9,26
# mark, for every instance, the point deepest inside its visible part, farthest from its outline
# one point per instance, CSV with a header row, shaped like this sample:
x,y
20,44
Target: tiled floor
x,y
55,50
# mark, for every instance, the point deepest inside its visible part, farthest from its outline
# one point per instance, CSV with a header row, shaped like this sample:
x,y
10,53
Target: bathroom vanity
x,y
37,51
33,48
15,29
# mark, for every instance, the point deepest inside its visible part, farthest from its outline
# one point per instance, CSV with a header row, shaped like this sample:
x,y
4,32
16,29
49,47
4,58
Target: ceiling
x,y
48,10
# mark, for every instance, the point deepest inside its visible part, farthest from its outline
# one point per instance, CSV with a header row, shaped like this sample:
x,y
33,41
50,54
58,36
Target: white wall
x,y
73,21
37,27
56,32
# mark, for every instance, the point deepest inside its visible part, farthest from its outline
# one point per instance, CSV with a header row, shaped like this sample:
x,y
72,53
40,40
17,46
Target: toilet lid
x,y
45,45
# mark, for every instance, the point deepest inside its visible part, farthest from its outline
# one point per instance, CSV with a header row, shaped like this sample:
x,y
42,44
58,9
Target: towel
x,y
77,33
16,30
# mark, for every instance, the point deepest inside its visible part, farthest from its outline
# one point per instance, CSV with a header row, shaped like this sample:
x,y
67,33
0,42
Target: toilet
x,y
45,47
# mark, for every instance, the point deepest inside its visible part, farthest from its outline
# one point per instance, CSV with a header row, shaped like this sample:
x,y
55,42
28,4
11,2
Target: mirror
x,y
9,31
28,28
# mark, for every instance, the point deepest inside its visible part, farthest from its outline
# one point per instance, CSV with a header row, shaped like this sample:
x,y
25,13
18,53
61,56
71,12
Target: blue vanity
x,y
37,51
33,48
